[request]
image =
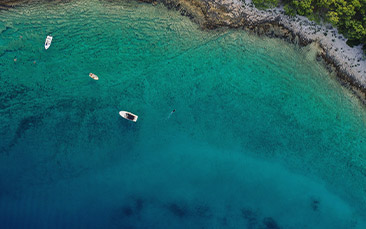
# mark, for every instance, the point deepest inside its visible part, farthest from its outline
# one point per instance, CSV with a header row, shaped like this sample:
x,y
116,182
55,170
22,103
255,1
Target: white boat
x,y
47,44
128,115
93,76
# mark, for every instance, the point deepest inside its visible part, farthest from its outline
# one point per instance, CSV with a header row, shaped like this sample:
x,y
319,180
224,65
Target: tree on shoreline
x,y
349,16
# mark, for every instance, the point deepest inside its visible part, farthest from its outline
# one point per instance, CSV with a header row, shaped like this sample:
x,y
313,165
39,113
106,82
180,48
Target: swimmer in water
x,y
171,113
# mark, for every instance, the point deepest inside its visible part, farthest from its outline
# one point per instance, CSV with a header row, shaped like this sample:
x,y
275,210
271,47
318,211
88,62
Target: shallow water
x,y
262,136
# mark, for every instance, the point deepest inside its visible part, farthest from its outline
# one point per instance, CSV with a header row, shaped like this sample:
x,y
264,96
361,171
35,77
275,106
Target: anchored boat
x,y
128,115
93,76
47,44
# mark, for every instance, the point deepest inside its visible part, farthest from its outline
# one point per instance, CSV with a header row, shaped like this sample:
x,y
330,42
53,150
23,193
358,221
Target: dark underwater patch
x,y
315,204
177,210
128,214
127,211
123,212
10,93
270,223
120,220
139,205
203,211
251,218
134,207
25,124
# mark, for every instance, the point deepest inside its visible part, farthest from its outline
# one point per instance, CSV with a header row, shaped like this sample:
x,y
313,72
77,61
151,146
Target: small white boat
x,y
47,44
128,115
93,76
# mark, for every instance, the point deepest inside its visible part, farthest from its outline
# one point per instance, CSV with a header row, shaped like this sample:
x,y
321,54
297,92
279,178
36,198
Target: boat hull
x,y
48,42
93,76
126,114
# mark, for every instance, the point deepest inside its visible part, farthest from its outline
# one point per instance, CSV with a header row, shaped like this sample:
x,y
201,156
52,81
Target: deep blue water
x,y
262,136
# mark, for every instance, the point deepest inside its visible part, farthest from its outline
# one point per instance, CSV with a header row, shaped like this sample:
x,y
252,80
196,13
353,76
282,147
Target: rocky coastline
x,y
348,64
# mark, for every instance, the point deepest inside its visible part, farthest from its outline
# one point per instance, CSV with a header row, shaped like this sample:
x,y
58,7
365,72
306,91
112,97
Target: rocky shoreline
x,y
348,64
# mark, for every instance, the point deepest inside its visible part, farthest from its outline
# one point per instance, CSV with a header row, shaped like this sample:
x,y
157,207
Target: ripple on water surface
x,y
262,136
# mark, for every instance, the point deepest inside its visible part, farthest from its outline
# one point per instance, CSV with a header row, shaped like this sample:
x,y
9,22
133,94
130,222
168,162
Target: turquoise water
x,y
262,136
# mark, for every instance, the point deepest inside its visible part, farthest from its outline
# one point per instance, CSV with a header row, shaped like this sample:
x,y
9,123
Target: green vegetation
x,y
349,16
264,4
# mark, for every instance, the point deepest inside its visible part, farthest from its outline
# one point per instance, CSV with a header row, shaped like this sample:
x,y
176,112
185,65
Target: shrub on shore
x,y
349,16
264,4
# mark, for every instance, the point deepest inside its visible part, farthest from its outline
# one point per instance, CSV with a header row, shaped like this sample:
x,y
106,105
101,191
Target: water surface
x,y
262,136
